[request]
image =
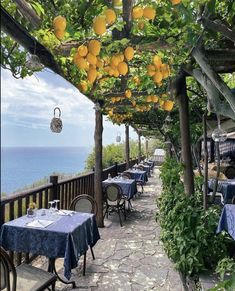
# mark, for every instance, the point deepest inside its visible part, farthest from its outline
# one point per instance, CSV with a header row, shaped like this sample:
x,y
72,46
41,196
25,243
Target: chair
x,y
233,200
126,175
230,172
141,167
219,199
84,203
23,277
87,204
114,201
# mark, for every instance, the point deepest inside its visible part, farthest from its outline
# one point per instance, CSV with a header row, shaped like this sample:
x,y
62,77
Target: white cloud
x,y
34,98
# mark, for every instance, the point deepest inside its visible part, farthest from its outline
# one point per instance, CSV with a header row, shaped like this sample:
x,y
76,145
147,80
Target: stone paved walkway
x,y
129,258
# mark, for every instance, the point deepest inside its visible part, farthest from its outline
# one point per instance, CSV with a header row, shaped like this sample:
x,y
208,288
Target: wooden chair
x,y
126,175
114,201
24,277
87,204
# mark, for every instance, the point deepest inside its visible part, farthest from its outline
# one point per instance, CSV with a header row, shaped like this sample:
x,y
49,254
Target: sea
x,y
23,166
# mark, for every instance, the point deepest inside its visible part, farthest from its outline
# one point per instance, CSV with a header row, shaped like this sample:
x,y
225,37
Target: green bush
x,y
188,231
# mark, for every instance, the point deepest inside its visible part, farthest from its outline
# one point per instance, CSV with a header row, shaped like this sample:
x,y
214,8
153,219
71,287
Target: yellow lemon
x,y
100,63
59,23
137,12
129,53
175,2
99,25
115,61
110,16
123,68
59,34
149,99
151,70
94,47
82,86
157,77
157,61
117,3
91,75
133,103
82,50
149,13
168,105
136,80
154,99
81,63
116,73
91,59
128,93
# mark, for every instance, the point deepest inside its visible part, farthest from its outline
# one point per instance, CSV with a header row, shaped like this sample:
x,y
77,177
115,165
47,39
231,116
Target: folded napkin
x,y
40,223
66,212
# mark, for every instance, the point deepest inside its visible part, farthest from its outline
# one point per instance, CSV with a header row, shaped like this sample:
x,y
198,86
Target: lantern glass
x,y
219,135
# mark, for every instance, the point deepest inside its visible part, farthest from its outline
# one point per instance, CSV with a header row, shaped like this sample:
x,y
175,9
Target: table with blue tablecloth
x,y
227,220
226,187
129,187
151,164
138,175
68,236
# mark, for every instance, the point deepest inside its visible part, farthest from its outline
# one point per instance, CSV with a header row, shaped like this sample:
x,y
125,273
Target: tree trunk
x,y
139,146
98,167
182,98
205,188
147,148
127,147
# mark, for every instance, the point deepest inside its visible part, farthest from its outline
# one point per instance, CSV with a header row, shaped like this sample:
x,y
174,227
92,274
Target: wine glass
x,y
56,204
51,208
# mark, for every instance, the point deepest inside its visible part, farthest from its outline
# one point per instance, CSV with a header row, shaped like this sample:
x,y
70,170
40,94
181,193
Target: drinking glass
x,y
51,208
56,204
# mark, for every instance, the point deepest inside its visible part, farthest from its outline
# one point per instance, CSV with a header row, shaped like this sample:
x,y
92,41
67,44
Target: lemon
x,y
91,75
94,47
157,77
137,12
82,50
129,53
168,105
115,61
81,63
128,93
59,23
82,86
175,2
154,99
141,25
59,34
110,16
157,61
99,25
91,59
149,99
100,63
149,13
151,70
123,68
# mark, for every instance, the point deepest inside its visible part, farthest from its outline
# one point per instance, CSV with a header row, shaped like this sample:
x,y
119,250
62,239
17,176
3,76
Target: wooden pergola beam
x,y
11,27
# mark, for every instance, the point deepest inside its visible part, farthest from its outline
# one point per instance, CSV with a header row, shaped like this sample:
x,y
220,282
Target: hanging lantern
x,y
219,135
56,122
33,62
118,137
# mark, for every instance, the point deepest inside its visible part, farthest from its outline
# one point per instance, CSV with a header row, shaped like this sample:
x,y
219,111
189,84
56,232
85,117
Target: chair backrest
x,y
7,267
84,203
230,172
126,175
113,192
141,167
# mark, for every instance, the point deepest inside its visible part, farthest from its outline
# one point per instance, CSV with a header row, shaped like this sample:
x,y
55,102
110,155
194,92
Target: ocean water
x,y
22,166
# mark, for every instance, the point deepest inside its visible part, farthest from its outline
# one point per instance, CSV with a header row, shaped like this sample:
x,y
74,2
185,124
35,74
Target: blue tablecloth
x,y
138,175
129,187
151,164
226,187
147,169
227,220
68,237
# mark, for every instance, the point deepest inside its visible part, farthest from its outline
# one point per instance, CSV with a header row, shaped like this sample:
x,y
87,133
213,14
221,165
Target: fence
x,y
65,190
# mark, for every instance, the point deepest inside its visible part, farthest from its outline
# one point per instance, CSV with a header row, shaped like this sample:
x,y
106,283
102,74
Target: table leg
x,y
52,269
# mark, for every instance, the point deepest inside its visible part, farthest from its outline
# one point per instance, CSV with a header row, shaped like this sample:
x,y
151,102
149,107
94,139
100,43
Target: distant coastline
x,y
24,166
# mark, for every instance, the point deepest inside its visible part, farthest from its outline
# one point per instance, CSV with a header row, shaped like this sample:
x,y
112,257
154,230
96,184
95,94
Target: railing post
x,y
54,189
116,168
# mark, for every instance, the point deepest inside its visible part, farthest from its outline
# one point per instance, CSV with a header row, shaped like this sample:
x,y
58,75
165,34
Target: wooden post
x,y
54,190
98,167
139,146
147,148
127,147
182,98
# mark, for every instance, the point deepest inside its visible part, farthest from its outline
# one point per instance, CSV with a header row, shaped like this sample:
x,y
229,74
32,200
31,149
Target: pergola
x,y
131,96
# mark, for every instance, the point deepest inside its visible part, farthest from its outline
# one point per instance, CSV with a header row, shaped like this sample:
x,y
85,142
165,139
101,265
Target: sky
x,y
27,107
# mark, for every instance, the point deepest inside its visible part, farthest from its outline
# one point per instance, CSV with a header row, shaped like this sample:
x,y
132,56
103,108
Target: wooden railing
x,y
65,190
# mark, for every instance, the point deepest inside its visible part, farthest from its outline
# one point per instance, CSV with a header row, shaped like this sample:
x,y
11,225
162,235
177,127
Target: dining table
x,y
227,220
226,187
138,175
128,186
58,234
